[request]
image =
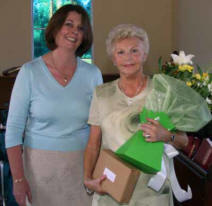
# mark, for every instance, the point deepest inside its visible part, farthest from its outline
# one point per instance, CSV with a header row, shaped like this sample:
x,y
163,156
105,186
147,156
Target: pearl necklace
x,y
63,75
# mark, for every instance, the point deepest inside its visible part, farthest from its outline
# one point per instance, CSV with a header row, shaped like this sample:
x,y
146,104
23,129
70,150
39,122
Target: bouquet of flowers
x,y
181,67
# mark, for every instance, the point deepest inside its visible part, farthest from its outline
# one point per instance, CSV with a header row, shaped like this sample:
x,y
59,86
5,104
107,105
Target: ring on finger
x,y
147,135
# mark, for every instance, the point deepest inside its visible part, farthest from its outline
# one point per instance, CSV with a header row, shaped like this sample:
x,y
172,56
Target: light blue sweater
x,y
52,117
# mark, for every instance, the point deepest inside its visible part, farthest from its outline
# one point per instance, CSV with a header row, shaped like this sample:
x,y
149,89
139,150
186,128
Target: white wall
x,y
193,29
15,21
156,17
15,33
171,24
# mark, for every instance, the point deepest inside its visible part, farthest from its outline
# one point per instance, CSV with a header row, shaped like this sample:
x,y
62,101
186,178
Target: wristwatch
x,y
172,137
88,191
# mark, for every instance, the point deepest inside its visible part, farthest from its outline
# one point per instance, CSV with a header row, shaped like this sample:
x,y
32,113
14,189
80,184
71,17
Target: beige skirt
x,y
55,177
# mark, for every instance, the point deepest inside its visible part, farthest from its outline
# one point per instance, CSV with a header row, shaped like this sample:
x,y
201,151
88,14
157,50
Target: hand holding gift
x,y
95,185
153,131
138,151
177,104
173,105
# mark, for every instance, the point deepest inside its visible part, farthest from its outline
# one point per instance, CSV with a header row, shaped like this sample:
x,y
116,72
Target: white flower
x,y
207,79
204,83
210,87
182,58
209,101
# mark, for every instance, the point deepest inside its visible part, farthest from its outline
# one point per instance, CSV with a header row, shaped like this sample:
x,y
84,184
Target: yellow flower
x,y
197,76
193,82
189,83
205,76
190,68
185,67
181,68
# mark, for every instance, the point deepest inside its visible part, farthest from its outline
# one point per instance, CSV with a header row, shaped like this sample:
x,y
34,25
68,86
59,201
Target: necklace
x,y
63,75
139,88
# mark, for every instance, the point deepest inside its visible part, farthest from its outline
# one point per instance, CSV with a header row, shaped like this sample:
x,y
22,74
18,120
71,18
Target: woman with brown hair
x,y
49,106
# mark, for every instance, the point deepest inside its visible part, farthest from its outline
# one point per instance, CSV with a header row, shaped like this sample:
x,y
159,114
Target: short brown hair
x,y
57,21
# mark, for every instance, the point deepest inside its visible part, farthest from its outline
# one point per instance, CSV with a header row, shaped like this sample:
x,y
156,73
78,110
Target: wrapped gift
x,y
146,156
121,177
187,110
162,117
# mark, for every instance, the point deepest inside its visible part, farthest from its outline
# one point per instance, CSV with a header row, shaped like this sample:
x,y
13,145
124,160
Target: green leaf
x,y
187,75
210,77
160,64
199,69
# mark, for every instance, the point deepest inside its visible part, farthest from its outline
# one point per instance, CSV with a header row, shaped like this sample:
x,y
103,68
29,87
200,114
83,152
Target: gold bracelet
x,y
18,180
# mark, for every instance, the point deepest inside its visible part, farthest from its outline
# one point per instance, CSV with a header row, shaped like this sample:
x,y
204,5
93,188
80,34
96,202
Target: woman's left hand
x,y
154,131
95,184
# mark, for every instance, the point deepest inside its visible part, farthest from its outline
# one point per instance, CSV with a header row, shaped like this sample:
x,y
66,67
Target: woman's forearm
x,y
16,162
180,140
90,159
154,132
92,151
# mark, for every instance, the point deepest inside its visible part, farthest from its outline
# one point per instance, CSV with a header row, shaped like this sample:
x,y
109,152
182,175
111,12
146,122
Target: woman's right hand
x,y
95,184
21,191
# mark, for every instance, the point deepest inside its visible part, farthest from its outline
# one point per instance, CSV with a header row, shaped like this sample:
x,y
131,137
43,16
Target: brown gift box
x,y
121,177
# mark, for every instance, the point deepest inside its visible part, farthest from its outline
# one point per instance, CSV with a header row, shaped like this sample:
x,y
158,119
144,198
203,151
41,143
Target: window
x,y
42,12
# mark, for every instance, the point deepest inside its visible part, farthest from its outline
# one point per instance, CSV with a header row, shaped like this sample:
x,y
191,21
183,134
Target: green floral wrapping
x,y
187,110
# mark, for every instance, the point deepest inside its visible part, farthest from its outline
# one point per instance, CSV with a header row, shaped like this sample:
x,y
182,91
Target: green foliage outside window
x,y
42,12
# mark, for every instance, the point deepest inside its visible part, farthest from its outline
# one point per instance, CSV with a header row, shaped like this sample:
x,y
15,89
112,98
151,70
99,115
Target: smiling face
x,y
129,56
71,33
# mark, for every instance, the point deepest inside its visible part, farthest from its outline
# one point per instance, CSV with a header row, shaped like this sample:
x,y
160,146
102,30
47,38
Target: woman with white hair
x,y
114,115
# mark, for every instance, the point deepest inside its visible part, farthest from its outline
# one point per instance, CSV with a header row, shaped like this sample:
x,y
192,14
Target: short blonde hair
x,y
123,31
